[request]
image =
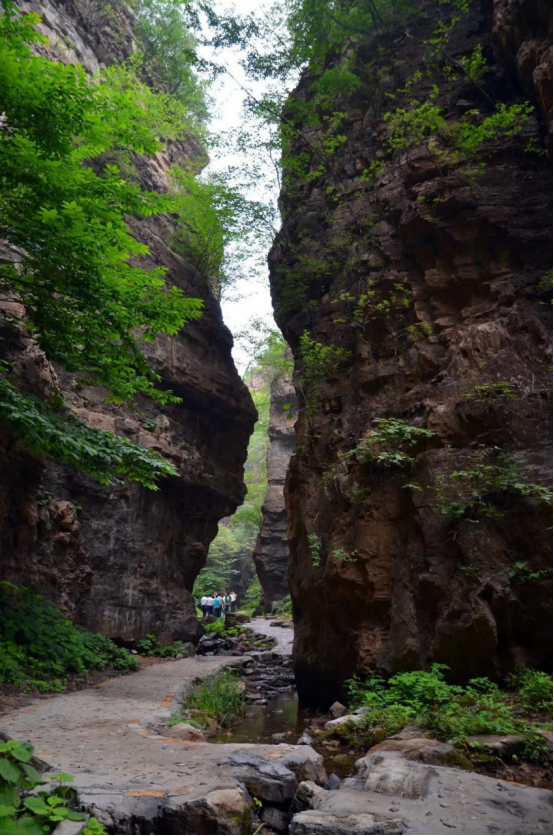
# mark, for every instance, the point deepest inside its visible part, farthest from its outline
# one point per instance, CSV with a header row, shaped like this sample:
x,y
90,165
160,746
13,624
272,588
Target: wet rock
x,y
226,810
364,709
314,823
333,782
342,721
428,751
337,710
184,731
507,744
70,828
268,780
306,763
276,819
304,739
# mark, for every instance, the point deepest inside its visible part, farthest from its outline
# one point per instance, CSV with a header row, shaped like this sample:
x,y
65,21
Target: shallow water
x,y
283,716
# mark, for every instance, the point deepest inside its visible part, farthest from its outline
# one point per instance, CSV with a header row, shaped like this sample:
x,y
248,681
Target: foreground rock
x,y
391,794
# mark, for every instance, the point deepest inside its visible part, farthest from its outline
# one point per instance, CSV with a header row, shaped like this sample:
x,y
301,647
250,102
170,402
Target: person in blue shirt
x,y
217,605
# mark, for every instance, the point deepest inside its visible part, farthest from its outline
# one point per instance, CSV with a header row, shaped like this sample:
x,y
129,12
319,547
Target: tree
x,y
63,215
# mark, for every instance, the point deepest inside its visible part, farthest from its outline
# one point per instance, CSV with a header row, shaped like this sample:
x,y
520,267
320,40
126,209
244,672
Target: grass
x,y
220,696
453,712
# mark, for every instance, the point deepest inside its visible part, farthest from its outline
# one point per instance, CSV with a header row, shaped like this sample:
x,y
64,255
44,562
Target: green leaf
x,y
73,815
8,795
6,811
9,771
28,826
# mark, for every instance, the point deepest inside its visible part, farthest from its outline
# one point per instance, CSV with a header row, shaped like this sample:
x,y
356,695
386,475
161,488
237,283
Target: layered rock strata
x,y
122,560
396,564
271,552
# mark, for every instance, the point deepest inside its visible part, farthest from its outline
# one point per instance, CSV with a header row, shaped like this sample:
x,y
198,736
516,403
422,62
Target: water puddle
x,y
282,719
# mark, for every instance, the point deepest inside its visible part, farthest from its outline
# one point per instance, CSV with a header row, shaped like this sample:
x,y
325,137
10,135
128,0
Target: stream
x,y
283,720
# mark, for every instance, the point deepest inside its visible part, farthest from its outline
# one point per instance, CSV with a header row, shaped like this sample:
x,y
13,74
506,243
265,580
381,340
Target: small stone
x,y
333,782
337,710
184,731
304,740
134,652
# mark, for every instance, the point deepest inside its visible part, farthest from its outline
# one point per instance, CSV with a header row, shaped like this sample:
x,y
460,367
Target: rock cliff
x,y
123,560
429,272
271,552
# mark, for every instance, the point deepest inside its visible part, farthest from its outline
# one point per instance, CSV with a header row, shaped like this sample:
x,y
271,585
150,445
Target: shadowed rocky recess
x,y
470,251
122,560
271,552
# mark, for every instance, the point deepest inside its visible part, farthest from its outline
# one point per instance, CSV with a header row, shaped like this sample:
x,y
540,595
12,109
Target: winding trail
x,y
139,781
123,770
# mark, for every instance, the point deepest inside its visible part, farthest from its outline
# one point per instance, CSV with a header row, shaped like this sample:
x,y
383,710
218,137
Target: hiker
x,y
233,598
209,605
227,603
217,605
204,606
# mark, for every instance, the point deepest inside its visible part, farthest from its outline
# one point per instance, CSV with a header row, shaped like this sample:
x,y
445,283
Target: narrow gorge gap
x,y
359,475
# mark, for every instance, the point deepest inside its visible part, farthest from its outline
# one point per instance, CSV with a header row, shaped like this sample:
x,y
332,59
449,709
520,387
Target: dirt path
x,y
282,635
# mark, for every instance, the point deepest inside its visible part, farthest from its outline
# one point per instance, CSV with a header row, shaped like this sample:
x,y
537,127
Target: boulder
x,y
222,810
268,780
427,751
235,619
275,819
337,710
305,763
70,828
184,731
314,823
333,782
342,721
500,744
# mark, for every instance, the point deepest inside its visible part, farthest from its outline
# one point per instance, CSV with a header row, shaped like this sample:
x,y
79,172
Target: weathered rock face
x,y
272,550
123,560
459,344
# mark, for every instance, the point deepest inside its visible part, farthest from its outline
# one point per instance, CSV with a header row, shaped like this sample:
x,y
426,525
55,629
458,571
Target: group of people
x,y
217,604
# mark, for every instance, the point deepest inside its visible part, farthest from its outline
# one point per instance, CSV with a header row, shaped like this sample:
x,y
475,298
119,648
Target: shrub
x,y
453,712
39,647
220,696
40,812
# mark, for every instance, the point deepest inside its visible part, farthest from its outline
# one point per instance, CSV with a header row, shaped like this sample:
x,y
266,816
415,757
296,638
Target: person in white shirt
x,y
233,597
204,606
210,605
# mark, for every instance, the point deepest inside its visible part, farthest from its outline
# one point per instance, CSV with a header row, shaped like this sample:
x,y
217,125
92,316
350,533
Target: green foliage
x,y
390,443
343,556
314,545
217,628
317,363
450,712
285,608
167,52
220,696
534,688
87,305
499,390
521,572
372,304
53,431
476,494
149,646
40,812
463,141
476,64
39,647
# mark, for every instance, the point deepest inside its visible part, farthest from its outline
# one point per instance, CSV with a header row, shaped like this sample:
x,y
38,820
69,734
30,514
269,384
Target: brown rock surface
x,y
272,549
419,586
122,560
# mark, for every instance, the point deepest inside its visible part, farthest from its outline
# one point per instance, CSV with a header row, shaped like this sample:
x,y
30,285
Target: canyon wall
x,y
271,552
122,560
425,271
